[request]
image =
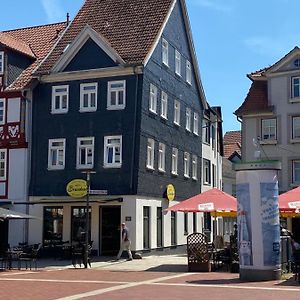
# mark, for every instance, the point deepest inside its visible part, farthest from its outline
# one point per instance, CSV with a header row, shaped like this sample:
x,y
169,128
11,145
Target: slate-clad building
x,y
119,94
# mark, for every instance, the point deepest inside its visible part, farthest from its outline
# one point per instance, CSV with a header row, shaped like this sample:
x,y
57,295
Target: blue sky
x,y
232,38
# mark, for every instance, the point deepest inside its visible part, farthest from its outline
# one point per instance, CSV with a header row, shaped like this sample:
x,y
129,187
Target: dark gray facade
x,y
135,123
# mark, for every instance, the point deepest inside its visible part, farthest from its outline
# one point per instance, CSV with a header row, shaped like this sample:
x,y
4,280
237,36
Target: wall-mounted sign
x,y
170,192
127,219
77,188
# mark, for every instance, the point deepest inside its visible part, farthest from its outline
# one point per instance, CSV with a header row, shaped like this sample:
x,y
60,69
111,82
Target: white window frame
x,y
153,98
196,124
165,52
57,149
295,86
60,94
150,154
2,121
112,145
174,168
186,165
188,114
206,131
195,167
269,129
188,72
88,149
177,112
177,62
1,62
89,94
206,171
294,127
4,162
118,90
164,105
161,157
296,170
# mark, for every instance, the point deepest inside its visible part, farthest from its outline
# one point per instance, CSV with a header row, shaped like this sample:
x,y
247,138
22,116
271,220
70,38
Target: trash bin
x,y
286,253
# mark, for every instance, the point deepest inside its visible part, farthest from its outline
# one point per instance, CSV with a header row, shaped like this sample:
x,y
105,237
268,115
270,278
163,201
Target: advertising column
x,y
258,220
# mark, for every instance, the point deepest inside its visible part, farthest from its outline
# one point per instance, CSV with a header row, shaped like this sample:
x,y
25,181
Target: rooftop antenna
x,y
68,19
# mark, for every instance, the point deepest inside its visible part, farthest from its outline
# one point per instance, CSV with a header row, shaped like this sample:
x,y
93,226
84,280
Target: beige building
x,y
270,117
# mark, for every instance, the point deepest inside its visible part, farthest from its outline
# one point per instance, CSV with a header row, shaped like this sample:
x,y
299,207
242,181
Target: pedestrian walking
x,y
125,242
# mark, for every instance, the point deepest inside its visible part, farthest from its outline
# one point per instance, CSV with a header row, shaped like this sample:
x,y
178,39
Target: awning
x,y
213,201
6,214
289,202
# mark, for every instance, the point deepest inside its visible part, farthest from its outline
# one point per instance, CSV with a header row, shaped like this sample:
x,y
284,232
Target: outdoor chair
x,y
77,254
199,253
29,256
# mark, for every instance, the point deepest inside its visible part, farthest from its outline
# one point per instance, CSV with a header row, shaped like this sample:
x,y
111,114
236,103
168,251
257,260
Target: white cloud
x,y
54,10
218,5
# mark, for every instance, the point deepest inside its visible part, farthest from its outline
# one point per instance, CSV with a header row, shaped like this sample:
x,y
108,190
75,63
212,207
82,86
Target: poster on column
x,y
244,225
270,223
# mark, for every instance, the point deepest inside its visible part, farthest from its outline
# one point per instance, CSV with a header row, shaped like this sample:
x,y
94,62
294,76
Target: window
x,y
295,87
116,95
1,62
194,222
3,164
78,220
206,172
296,171
153,98
53,225
174,169
60,99
113,151
177,112
85,153
56,154
268,129
194,167
2,111
186,164
188,72
196,124
146,227
186,223
173,228
150,154
188,119
213,136
177,63
214,175
161,157
88,97
206,131
164,105
159,227
297,62
296,128
165,52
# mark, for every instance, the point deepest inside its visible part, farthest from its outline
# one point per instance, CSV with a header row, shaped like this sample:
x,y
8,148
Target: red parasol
x,y
290,201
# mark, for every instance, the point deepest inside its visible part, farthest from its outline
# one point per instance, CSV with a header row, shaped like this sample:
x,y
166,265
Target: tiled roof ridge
x,y
33,27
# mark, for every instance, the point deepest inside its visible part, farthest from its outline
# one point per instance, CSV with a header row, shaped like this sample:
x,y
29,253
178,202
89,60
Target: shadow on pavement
x,y
216,281
288,280
168,268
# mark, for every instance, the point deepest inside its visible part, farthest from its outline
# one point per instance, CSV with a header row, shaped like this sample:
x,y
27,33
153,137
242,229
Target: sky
x,y
232,38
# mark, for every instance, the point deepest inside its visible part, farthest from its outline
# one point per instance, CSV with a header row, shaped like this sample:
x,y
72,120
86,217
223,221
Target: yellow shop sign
x,y
77,188
170,192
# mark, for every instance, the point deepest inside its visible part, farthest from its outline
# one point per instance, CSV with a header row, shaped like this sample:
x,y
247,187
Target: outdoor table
x,y
13,255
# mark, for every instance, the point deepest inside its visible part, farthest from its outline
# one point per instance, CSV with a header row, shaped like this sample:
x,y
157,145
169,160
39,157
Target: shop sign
x,y
77,188
170,192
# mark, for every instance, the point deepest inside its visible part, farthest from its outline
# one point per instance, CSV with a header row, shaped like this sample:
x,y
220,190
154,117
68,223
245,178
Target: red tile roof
x,y
232,143
39,39
15,44
130,26
256,100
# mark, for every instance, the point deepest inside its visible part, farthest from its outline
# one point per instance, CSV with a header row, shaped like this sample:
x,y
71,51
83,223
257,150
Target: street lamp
x,y
87,217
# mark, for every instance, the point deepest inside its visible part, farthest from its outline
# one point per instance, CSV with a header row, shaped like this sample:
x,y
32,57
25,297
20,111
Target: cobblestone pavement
x,y
153,277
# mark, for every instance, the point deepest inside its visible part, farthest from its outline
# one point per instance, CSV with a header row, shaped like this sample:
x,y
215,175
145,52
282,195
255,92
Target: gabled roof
x,y
10,42
39,39
130,26
256,100
232,143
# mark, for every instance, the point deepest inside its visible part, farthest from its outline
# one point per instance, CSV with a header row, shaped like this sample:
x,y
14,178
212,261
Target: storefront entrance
x,y
110,218
296,228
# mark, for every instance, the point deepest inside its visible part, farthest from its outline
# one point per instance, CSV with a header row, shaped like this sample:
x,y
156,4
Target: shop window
x,y
52,225
78,224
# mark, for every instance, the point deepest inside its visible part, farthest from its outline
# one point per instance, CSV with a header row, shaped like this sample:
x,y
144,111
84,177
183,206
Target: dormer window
x,y
1,62
165,52
297,62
